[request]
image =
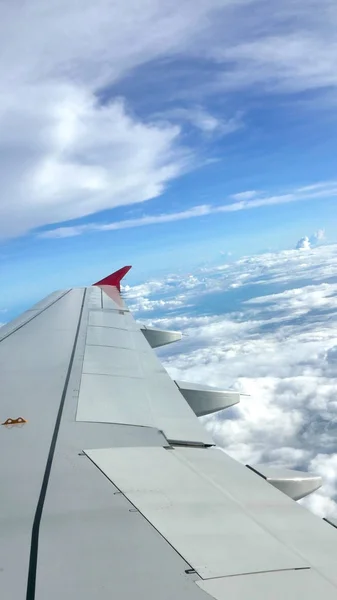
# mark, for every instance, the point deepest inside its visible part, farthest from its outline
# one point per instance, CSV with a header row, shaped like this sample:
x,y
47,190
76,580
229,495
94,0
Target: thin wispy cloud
x,y
248,195
204,120
60,232
245,201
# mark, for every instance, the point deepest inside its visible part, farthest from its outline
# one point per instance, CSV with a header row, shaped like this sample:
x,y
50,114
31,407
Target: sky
x,y
160,135
197,142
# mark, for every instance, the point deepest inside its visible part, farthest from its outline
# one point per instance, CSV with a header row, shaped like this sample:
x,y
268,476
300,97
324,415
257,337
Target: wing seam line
x,y
31,580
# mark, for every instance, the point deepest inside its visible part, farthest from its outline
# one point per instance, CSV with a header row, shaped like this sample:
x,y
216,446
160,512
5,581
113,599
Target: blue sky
x,y
134,133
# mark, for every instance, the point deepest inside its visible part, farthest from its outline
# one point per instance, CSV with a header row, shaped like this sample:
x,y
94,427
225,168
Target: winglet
x,y
115,278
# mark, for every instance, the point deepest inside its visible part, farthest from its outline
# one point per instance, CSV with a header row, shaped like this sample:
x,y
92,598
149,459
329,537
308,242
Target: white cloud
x,y
65,155
279,348
202,119
84,158
248,195
146,305
298,301
280,58
245,201
318,236
331,355
195,211
144,289
303,244
322,502
95,45
316,264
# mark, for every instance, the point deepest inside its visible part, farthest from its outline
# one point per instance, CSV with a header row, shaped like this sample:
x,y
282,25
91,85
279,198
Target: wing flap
x,y
124,382
199,517
278,585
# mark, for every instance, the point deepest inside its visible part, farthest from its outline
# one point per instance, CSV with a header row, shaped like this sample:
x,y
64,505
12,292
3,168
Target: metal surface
x,y
124,382
34,361
149,401
298,529
112,299
91,543
109,360
113,281
199,518
94,298
120,338
279,585
296,484
205,400
29,315
107,399
159,337
331,521
119,319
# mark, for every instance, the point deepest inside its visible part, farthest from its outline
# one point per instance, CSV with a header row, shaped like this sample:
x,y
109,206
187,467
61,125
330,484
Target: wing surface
x,y
111,487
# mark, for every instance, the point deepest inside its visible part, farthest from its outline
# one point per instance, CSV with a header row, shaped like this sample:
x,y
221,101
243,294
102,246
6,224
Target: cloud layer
x,y
265,325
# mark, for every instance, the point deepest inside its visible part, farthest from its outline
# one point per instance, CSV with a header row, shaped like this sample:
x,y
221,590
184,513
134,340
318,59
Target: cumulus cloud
x,y
303,243
323,502
280,348
146,305
318,236
83,158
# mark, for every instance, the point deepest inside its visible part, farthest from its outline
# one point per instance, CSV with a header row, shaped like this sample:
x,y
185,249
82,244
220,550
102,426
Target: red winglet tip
x,y
115,278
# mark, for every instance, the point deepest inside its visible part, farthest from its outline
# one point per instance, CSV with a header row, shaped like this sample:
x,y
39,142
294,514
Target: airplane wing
x,y
110,487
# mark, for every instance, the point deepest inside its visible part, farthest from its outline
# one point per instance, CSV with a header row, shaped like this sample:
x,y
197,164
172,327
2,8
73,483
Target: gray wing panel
x,y
92,544
200,518
88,541
34,361
298,529
292,585
220,516
124,382
112,299
31,314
